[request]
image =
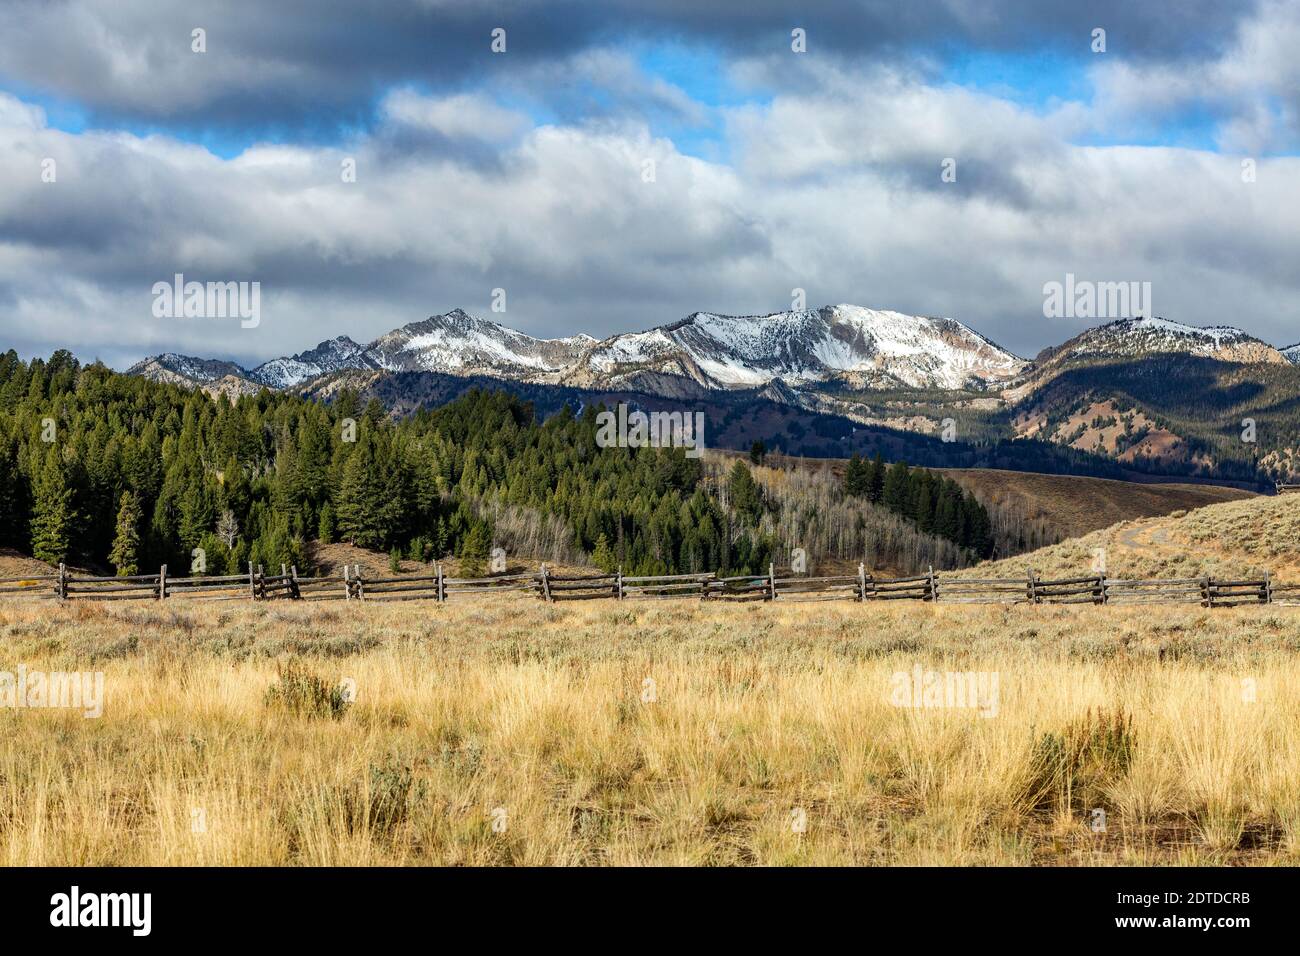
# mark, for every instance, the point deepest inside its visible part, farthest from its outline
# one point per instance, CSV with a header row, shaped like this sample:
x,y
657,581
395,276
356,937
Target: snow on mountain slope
x,y
461,344
333,355
842,344
859,347
1133,337
862,346
184,369
1292,353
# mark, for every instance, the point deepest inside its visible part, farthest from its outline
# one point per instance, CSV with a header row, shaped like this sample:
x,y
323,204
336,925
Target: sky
x,y
622,164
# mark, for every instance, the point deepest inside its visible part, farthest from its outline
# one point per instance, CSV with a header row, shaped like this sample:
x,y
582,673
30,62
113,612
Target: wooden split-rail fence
x,y
776,585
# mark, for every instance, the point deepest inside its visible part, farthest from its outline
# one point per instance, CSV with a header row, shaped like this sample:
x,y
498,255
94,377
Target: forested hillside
x,y
938,505
1173,414
118,472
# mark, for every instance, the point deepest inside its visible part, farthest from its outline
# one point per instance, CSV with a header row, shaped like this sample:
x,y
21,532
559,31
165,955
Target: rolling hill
x,y
1245,537
1074,505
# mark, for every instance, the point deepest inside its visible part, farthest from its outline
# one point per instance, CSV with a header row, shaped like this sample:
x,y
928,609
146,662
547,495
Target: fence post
x,y
1099,595
439,594
347,584
1268,587
162,582
360,584
293,582
1032,587
61,586
771,579
252,582
546,585
618,583
261,583
1206,599
862,581
934,586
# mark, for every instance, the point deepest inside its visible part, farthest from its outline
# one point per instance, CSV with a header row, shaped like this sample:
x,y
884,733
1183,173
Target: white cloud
x,y
16,114
1253,86
833,187
462,116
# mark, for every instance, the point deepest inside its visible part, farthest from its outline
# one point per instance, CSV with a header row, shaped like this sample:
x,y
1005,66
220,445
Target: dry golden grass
x,y
1230,539
511,712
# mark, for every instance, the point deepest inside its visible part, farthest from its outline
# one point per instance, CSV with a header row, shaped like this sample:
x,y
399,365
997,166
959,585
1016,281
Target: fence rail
x,y
775,585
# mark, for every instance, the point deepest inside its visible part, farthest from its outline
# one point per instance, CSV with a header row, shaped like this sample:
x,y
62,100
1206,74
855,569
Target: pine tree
x,y
856,477
896,491
923,509
52,512
125,555
876,478
359,499
441,538
474,550
602,557
325,527
13,501
196,513
743,491
236,492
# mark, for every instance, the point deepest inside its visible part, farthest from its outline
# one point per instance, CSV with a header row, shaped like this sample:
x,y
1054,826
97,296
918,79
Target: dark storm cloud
x,y
304,66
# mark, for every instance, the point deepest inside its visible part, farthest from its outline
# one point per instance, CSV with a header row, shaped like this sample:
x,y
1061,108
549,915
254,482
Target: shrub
x,y
1071,768
386,804
299,691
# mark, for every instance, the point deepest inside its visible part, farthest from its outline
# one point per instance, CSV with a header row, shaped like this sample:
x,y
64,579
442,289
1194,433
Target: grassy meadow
x,y
1234,539
506,731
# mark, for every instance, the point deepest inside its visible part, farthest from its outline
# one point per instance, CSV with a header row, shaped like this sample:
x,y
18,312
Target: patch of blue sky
x,y
1043,81
703,75
222,139
1035,81
1192,127
59,114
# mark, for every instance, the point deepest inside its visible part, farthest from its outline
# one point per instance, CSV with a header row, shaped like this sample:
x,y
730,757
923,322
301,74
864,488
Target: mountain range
x,y
859,347
869,367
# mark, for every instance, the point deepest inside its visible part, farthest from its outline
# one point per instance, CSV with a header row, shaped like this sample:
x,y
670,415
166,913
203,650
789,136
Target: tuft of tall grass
x,y
1072,768
300,691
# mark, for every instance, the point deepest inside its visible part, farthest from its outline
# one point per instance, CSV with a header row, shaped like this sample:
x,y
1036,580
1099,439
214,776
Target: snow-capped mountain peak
x,y
184,369
862,346
460,343
331,355
858,346
1136,337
